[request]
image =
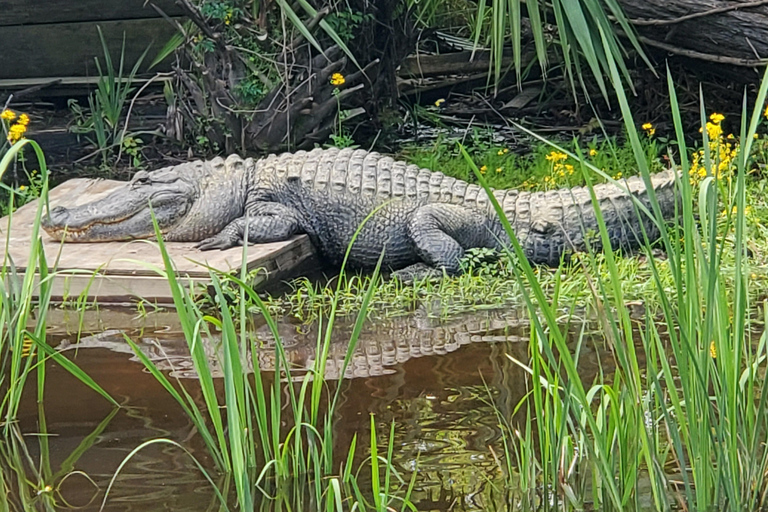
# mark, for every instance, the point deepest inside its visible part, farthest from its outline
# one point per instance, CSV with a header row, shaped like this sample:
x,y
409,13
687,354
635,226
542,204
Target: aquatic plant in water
x,y
684,413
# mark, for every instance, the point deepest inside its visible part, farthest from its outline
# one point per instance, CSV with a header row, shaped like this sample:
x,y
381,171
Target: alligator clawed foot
x,y
416,272
216,242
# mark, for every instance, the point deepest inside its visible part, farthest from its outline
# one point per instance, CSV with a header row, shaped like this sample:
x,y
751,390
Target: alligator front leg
x,y
265,222
440,234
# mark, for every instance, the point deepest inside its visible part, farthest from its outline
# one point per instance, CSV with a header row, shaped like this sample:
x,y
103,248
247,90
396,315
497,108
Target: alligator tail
x,y
552,225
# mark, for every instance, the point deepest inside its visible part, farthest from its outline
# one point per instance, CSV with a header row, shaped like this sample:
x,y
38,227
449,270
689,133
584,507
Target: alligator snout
x,y
56,217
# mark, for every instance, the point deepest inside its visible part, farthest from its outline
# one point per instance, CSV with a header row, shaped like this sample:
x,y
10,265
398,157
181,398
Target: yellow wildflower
x,y
649,129
569,168
483,169
735,210
592,152
8,115
556,156
713,130
716,118
713,350
502,152
499,169
618,175
23,119
16,132
22,188
337,79
765,113
754,136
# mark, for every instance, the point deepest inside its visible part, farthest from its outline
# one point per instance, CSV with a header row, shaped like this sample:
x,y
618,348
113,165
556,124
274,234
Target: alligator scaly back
x,y
548,224
412,216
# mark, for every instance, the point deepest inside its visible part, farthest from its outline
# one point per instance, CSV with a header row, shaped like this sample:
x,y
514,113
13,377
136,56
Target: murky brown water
x,y
427,377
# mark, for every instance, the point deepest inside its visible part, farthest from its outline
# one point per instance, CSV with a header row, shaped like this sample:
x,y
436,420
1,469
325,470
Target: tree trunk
x,y
725,31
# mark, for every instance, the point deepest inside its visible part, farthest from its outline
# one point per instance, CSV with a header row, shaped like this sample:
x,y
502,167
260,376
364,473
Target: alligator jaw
x,y
125,214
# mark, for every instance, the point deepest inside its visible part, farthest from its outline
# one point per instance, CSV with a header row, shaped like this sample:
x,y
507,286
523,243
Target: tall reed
x,y
250,441
24,296
682,420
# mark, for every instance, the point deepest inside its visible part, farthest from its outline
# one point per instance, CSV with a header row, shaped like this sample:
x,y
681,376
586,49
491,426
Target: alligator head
x,y
186,202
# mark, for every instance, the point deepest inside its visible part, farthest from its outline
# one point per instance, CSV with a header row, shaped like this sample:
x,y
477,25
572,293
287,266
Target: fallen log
x,y
733,32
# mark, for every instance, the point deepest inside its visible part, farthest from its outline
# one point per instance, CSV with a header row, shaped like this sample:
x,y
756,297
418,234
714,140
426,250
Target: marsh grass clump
x,y
682,421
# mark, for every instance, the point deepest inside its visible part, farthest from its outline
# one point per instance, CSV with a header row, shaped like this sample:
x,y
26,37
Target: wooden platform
x,y
115,271
52,39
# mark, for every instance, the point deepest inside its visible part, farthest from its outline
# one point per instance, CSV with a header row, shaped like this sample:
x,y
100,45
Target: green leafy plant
x,y
101,121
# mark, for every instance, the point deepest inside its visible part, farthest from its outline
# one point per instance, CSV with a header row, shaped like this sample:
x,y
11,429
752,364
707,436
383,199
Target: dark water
x,y
427,377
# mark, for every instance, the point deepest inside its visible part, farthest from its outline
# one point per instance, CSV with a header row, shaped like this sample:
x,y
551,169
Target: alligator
x,y
417,220
380,348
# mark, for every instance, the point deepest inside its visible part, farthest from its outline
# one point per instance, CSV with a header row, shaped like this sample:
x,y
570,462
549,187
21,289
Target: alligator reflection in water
x,y
441,387
380,347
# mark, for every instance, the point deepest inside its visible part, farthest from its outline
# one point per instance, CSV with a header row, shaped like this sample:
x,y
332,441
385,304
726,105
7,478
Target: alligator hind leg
x,y
266,222
440,234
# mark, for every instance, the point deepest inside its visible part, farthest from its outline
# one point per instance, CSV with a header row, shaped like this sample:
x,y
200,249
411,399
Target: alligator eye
x,y
141,178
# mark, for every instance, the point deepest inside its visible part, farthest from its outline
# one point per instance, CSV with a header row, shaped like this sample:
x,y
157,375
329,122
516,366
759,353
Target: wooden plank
x,y
419,65
26,12
116,270
75,81
69,49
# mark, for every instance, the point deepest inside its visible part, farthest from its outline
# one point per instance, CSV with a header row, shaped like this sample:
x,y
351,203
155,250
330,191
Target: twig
x,y
130,110
693,16
194,15
32,89
720,59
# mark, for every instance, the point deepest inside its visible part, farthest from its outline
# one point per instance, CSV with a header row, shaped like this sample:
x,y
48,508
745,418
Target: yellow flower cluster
x,y
559,167
502,152
563,169
337,79
17,130
714,130
722,152
483,169
649,129
735,210
556,156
